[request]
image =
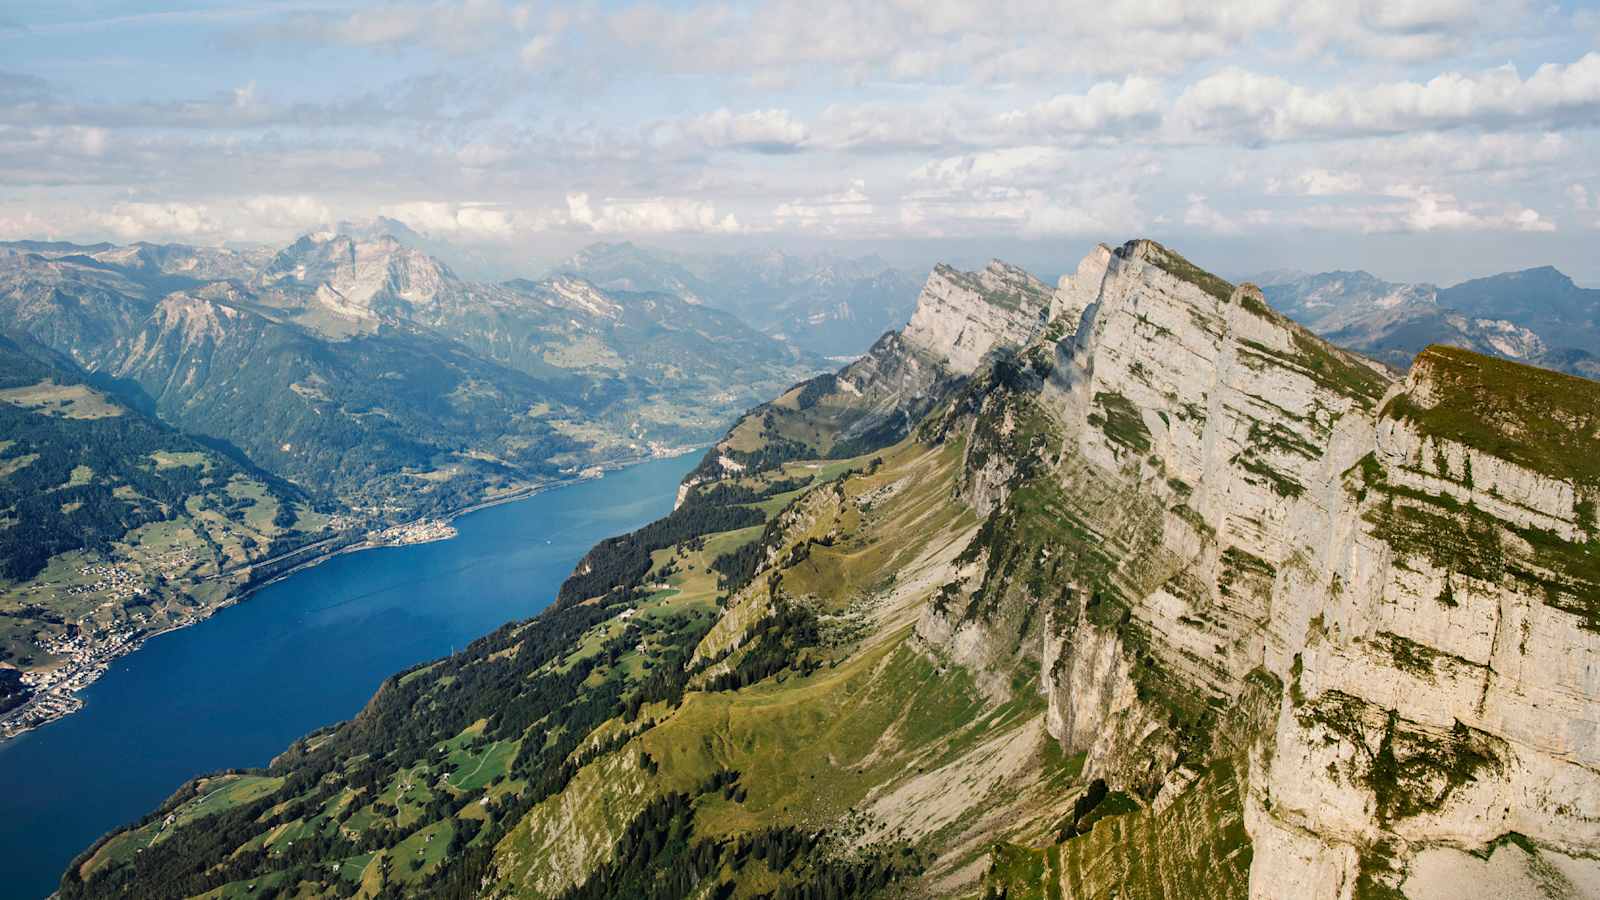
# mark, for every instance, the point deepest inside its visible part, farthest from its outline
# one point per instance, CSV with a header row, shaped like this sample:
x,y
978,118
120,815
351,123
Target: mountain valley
x,y
185,423
1129,586
825,304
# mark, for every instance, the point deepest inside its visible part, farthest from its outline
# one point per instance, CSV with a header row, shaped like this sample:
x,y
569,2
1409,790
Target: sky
x,y
1420,139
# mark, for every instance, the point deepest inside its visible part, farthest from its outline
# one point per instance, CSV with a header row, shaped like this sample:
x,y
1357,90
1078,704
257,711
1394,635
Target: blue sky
x,y
1422,139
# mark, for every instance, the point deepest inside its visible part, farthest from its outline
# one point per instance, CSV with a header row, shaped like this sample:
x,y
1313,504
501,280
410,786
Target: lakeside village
x,y
86,650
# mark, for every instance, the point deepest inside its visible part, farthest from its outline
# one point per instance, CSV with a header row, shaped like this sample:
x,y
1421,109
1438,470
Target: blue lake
x,y
235,690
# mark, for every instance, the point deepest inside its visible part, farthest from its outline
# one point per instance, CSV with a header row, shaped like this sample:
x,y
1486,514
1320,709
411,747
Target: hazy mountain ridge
x,y
1537,316
362,372
332,337
826,304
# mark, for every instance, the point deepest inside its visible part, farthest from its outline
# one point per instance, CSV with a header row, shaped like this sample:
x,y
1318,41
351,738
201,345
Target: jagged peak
x,y
1077,291
1169,261
999,283
962,316
1233,314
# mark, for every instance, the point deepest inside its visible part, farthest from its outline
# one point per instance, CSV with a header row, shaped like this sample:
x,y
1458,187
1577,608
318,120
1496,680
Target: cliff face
x,y
1132,587
1447,695
1413,562
961,316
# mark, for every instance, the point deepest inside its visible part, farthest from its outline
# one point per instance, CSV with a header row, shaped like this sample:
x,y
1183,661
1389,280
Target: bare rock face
x,y
1075,292
358,276
1236,499
961,316
1447,695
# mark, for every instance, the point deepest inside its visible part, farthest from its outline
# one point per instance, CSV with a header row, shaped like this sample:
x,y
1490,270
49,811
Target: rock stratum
x,y
1127,588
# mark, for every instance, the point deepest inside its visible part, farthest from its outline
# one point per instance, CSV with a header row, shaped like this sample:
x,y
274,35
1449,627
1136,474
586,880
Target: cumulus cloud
x,y
1028,166
831,213
827,118
1252,107
280,211
1199,214
1106,106
140,220
654,215
1317,183
1432,210
1403,208
762,130
1401,30
472,221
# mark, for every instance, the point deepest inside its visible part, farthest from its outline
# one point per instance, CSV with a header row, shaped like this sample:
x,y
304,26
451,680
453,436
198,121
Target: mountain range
x,y
1131,586
1537,316
184,422
825,304
367,368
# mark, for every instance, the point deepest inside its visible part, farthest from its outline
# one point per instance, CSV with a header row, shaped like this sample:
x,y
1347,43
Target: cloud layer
x,y
531,126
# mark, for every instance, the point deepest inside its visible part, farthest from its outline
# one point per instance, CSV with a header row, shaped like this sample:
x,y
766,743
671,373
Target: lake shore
x,y
304,654
60,698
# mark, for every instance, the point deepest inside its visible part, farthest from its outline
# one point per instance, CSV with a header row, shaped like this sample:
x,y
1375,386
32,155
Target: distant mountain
x,y
175,419
1536,316
367,370
831,305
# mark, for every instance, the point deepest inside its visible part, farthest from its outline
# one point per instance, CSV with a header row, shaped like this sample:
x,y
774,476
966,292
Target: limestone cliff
x,y
961,316
1227,495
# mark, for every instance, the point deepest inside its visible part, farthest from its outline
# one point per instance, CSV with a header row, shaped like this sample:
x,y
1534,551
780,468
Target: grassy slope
x,y
1544,420
123,517
868,736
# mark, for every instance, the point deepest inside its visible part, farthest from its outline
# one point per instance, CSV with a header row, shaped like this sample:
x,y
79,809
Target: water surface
x,y
235,690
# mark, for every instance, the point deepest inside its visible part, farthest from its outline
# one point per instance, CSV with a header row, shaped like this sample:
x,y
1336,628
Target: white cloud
x,y
298,211
1584,202
456,220
1252,107
1317,183
830,213
1431,210
978,121
1027,166
1402,30
1199,214
140,220
1102,210
654,215
768,130
1104,106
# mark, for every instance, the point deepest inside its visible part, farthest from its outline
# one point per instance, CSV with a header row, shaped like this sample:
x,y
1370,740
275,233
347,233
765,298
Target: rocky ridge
x,y
1132,586
1412,561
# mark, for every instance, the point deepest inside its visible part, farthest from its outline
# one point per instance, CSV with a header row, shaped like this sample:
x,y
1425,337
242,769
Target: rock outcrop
x,y
961,316
1233,498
